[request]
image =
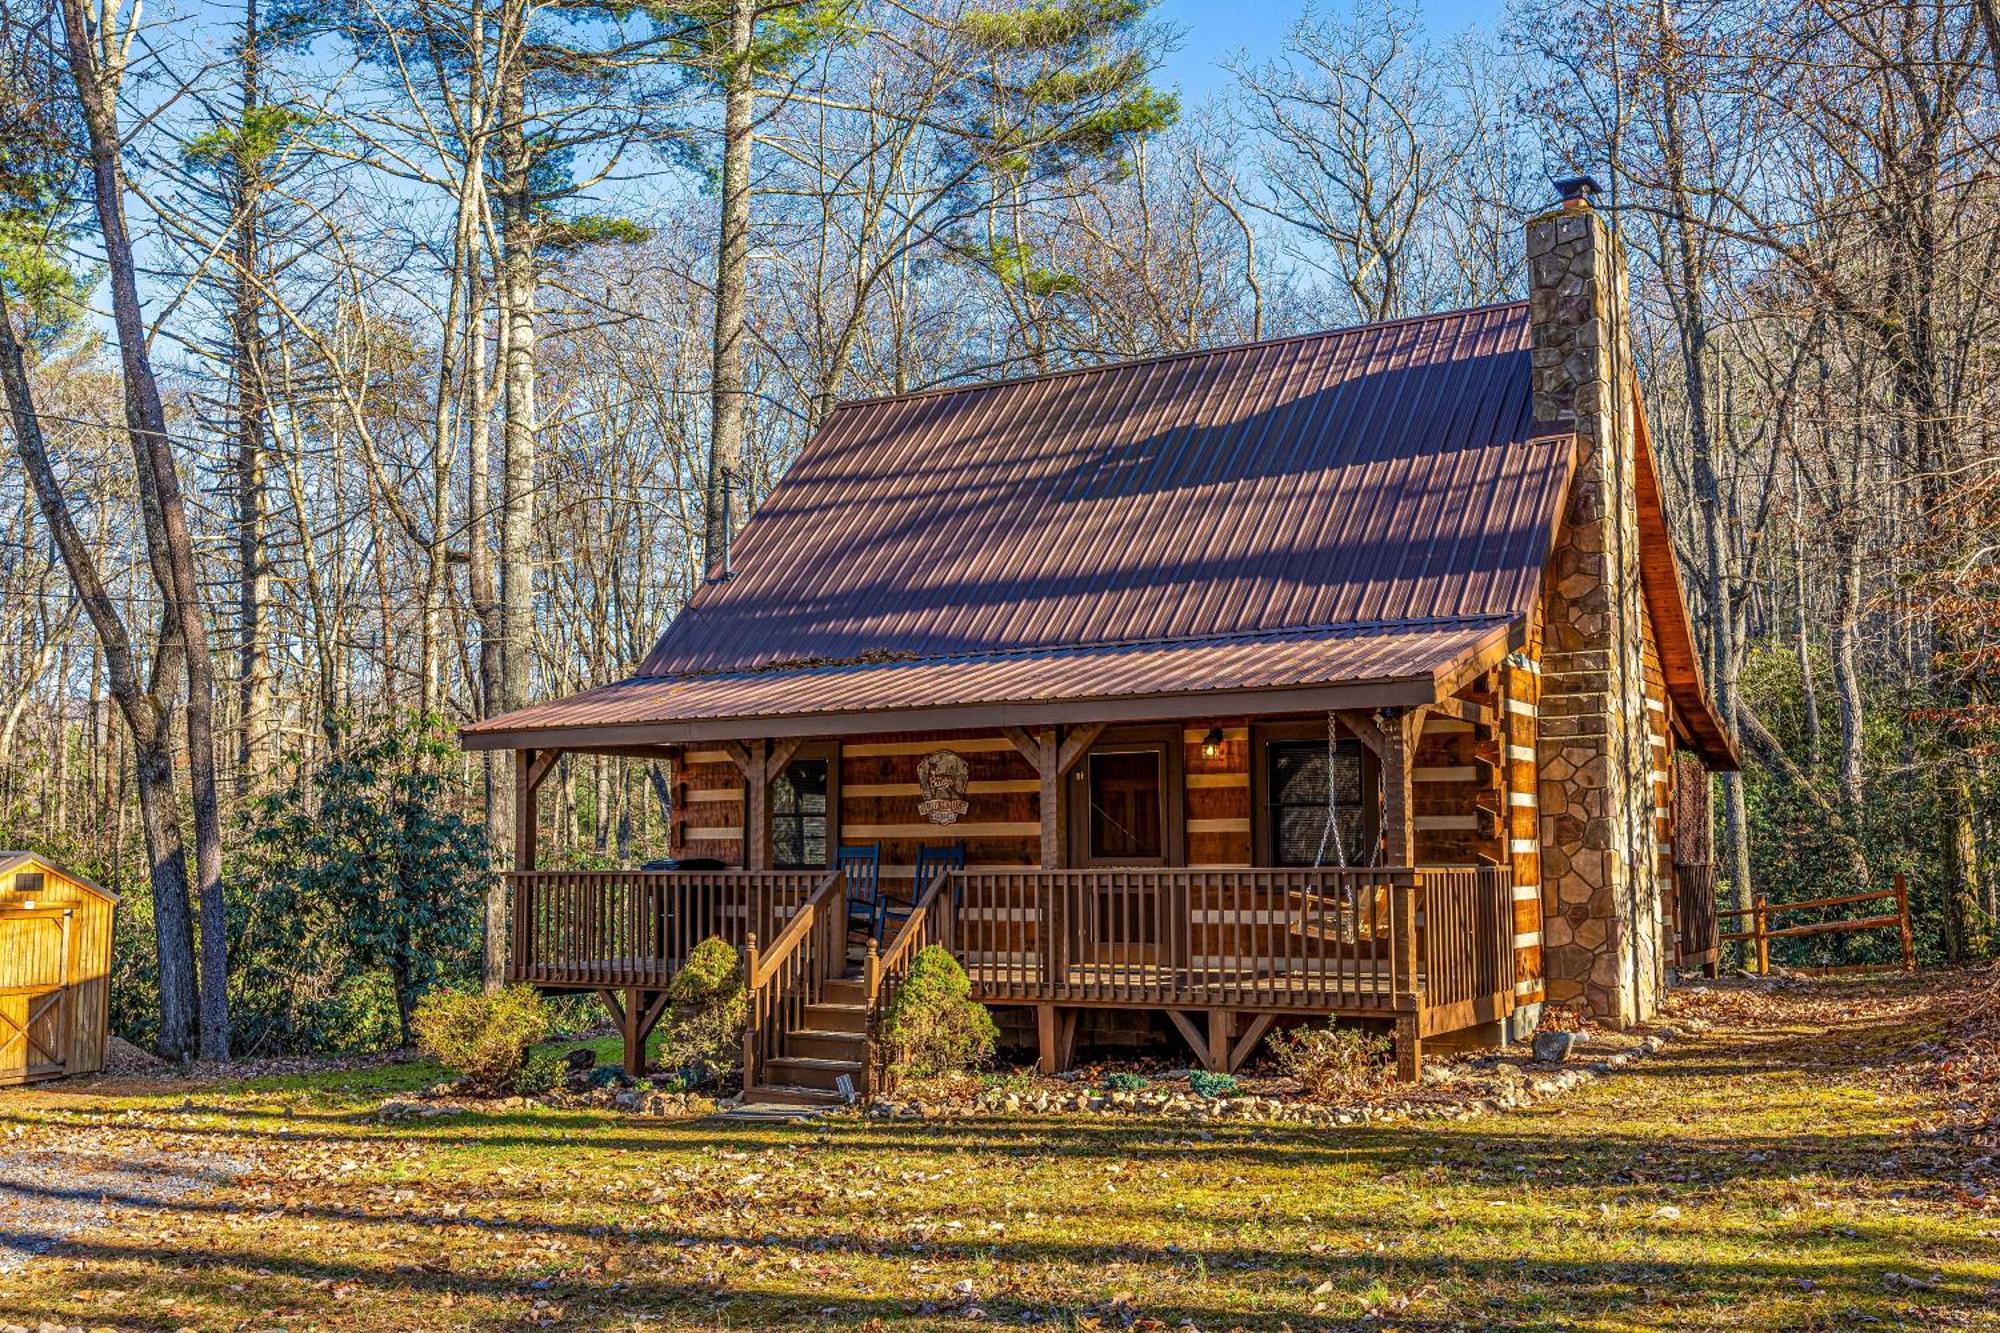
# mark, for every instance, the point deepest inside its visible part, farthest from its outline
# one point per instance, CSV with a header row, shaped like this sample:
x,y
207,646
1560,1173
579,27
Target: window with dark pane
x,y
798,815
1125,805
28,883
1300,774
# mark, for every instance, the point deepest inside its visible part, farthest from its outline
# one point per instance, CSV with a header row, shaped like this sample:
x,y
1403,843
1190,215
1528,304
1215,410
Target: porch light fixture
x,y
1211,744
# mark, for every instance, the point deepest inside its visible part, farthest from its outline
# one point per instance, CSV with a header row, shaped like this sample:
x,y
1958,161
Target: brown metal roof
x,y
1305,509
1369,474
1372,665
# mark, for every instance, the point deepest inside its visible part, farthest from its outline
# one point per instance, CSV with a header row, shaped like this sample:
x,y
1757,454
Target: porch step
x,y
846,991
814,1043
837,1018
791,1095
805,1071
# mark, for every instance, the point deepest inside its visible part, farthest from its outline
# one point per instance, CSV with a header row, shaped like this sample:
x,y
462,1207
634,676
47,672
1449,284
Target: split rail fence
x,y
1761,930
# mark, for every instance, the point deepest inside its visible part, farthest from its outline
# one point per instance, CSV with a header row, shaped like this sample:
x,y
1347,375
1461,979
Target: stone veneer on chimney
x,y
1602,902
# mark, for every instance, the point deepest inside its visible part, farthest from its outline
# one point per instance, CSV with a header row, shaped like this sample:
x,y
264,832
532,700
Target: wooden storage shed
x,y
55,970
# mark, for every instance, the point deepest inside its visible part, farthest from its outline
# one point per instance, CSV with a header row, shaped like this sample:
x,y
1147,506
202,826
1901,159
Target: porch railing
x,y
1313,939
790,975
608,929
1465,938
1694,913
1349,939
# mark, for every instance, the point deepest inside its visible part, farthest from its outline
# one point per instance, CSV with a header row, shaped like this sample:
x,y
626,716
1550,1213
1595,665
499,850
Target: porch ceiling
x,y
1346,666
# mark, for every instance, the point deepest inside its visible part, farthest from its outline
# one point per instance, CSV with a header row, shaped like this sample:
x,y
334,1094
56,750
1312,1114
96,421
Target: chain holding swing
x,y
1332,802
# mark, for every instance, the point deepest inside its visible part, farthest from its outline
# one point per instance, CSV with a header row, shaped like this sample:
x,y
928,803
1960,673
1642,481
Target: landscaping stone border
x,y
1522,1084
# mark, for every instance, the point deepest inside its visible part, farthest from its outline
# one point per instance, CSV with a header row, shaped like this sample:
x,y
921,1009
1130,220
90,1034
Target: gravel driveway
x,y
50,1192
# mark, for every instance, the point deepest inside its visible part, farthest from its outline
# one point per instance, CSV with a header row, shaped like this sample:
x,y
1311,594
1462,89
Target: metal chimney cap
x,y
1574,188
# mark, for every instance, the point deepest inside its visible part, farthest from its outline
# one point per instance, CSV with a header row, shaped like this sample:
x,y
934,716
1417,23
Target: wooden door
x,y
34,997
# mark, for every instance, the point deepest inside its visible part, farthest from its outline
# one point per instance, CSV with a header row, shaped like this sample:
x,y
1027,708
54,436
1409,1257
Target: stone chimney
x,y
1603,933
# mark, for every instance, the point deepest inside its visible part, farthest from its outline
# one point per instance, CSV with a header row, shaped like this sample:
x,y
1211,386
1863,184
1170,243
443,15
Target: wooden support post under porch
x,y
636,1013
1223,1041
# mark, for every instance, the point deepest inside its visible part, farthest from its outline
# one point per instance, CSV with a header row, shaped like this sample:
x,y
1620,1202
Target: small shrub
x,y
481,1038
1012,1080
1126,1081
708,1009
541,1074
1332,1062
934,1025
1207,1083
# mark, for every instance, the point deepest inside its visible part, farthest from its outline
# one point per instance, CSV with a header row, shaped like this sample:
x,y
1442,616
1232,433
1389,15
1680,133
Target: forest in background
x,y
371,368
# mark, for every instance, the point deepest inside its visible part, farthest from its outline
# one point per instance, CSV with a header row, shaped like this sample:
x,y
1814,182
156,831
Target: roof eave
x,y
1403,692
1660,583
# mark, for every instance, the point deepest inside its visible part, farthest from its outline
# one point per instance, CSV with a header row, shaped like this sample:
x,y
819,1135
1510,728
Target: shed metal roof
x,y
1337,507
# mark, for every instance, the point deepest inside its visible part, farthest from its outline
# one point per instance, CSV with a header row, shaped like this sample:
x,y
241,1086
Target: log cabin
x,y
1345,674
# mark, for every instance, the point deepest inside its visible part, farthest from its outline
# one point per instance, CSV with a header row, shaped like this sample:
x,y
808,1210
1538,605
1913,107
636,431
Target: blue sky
x,y
1217,29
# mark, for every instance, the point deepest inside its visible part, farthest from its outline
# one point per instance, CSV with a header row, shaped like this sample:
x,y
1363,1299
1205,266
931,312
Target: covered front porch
x,y
1224,953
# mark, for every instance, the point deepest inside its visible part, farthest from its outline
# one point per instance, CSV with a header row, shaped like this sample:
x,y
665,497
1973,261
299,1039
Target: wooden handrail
x,y
795,930
907,941
792,974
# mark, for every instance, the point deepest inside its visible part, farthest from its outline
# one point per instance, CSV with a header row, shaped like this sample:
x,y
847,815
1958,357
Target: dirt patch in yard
x,y
90,1179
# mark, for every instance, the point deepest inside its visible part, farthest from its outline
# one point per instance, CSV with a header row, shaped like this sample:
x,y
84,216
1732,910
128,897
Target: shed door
x,y
34,975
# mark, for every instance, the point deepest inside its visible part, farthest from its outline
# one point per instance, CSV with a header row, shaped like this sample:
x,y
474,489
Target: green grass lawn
x,y
1772,1173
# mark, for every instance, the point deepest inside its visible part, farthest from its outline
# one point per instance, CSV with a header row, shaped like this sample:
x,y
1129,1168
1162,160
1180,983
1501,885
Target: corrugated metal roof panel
x,y
1372,474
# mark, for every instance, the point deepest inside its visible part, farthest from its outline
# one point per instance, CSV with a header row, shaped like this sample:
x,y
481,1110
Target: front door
x,y
1122,826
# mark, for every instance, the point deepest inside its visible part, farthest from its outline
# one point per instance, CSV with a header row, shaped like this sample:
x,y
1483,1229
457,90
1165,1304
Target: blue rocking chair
x,y
931,862
863,865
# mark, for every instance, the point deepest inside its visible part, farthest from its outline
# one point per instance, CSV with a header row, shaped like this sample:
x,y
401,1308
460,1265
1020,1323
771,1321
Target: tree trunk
x,y
728,379
1967,934
170,544
1802,639
516,293
147,712
1846,673
517,308
253,686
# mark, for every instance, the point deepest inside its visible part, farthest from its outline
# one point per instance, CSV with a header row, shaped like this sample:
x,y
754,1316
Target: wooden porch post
x,y
753,760
1052,755
1400,733
524,810
1399,747
1050,802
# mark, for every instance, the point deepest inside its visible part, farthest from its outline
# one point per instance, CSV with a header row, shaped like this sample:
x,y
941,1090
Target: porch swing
x,y
1322,913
